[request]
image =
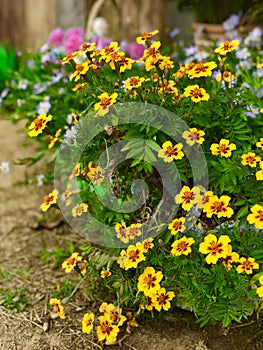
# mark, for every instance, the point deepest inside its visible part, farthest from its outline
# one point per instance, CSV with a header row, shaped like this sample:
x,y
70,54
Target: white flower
x,y
4,167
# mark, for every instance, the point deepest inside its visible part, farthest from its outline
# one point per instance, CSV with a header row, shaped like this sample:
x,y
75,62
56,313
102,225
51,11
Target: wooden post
x,y
40,19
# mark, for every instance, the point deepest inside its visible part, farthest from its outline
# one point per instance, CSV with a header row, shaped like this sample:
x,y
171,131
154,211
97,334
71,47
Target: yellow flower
x,y
39,124
54,139
81,69
87,323
122,232
71,262
230,258
134,230
259,144
146,36
218,206
250,159
105,102
193,136
170,152
177,225
165,62
197,94
161,300
259,173
78,86
106,330
67,195
79,209
256,217
132,320
188,197
151,55
227,46
76,171
49,199
204,199
182,246
107,51
134,256
228,76
134,82
201,70
105,273
260,289
247,265
149,281
214,248
58,308
224,149
147,244
114,312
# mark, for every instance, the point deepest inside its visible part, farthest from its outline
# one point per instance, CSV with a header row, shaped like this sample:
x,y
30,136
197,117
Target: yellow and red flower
x,y
170,152
224,149
105,273
230,258
146,36
105,102
149,281
227,46
58,308
250,159
107,330
177,225
122,232
134,82
215,249
161,300
134,255
260,289
259,144
201,70
188,197
256,216
39,124
182,246
259,173
247,265
49,199
218,206
197,94
95,173
87,323
79,209
193,136
71,262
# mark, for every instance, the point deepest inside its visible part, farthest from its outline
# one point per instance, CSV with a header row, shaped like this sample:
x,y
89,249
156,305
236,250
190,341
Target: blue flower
x,y
43,107
251,111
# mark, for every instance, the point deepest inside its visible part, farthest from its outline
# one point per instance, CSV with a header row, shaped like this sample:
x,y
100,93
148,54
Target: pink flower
x,y
75,32
101,42
56,37
134,50
73,39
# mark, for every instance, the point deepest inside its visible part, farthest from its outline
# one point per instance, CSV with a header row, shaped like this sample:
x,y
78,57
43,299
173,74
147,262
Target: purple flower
x,y
134,50
40,178
190,51
260,93
75,31
43,107
243,53
22,84
251,111
38,88
56,37
174,32
4,93
231,22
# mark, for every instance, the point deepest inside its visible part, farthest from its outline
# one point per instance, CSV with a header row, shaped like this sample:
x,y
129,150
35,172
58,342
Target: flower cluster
x,y
205,257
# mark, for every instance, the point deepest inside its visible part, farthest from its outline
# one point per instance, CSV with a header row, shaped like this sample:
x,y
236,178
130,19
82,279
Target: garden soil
x,y
24,237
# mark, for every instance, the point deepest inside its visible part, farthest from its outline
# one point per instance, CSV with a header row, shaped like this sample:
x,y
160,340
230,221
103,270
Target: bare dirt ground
x,y
23,238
